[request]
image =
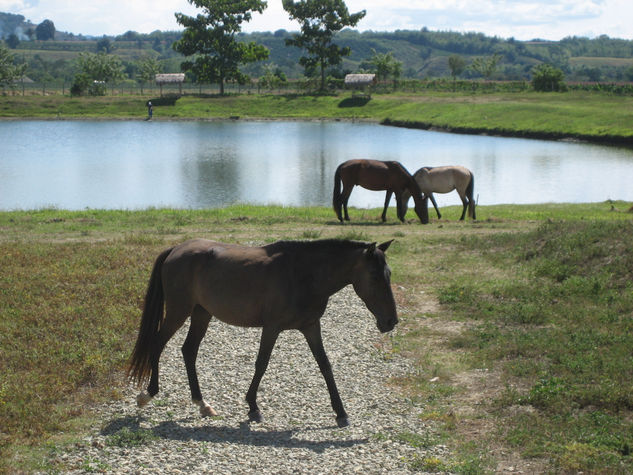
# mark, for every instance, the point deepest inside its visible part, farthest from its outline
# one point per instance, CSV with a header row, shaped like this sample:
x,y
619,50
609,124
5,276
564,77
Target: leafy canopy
x,y
9,72
210,38
546,77
320,21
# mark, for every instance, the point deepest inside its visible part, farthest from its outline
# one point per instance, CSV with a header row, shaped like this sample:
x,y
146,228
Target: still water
x,y
132,165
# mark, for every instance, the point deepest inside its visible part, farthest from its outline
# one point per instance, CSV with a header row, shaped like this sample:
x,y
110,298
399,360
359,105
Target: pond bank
x,y
592,117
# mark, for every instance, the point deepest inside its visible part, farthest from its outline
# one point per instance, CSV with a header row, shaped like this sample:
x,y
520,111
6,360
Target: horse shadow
x,y
354,102
175,430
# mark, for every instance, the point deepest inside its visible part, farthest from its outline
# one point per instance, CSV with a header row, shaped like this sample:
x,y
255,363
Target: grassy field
x,y
520,323
584,115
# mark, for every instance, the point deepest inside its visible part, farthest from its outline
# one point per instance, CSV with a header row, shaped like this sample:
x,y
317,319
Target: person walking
x,y
150,110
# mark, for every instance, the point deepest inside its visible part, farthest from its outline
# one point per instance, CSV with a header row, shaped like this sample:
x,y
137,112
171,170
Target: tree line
x,y
213,49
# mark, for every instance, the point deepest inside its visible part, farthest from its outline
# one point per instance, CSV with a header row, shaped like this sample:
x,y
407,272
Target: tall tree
x,y
45,30
486,66
9,72
386,65
457,64
148,67
211,39
94,72
320,21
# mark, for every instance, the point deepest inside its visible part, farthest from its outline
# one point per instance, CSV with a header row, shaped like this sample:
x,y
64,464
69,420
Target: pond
x,y
200,164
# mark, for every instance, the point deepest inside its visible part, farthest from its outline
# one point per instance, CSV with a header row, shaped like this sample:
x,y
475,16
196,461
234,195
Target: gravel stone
x,y
299,432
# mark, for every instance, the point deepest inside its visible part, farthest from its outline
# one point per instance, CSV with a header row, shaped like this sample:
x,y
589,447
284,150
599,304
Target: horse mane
x,y
316,246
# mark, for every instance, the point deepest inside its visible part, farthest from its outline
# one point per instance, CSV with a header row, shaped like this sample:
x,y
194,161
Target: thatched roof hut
x,y
360,80
176,78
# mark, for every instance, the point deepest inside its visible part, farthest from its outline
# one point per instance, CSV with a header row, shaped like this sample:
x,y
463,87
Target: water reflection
x,y
81,164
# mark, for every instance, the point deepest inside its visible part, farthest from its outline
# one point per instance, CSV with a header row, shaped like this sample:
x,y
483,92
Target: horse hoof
x,y
342,421
206,410
143,398
255,416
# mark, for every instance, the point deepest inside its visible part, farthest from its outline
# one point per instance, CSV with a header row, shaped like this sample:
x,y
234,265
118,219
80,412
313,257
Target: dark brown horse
x,y
281,286
377,175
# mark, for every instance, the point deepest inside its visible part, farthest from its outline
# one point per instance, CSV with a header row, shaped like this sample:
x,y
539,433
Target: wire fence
x,y
308,86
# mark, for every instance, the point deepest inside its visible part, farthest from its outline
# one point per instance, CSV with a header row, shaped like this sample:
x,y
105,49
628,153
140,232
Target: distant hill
x,y
423,53
15,24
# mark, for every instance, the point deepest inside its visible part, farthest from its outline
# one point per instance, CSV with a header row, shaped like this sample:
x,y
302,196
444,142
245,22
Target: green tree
x,y
546,77
486,66
211,39
45,30
457,64
13,41
320,20
95,71
148,68
9,71
386,66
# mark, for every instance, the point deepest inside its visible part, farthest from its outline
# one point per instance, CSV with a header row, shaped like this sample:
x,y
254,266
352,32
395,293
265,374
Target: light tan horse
x,y
444,180
281,286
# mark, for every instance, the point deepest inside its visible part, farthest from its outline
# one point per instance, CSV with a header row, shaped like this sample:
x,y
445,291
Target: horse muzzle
x,y
387,325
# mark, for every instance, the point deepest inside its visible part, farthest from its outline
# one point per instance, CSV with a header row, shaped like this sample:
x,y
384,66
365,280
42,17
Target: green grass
x,y
543,292
586,115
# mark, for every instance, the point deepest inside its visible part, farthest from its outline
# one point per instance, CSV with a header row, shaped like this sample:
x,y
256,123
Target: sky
x,y
519,19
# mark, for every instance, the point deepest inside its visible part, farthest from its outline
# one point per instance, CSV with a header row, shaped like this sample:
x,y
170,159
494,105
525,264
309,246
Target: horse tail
x,y
336,195
469,193
139,365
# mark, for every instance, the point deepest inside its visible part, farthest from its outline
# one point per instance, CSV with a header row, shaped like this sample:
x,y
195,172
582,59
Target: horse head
x,y
372,283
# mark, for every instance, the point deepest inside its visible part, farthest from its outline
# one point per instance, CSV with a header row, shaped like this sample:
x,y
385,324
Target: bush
x,y
546,77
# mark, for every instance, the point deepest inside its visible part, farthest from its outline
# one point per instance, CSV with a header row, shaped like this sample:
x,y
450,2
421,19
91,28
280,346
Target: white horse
x,y
444,180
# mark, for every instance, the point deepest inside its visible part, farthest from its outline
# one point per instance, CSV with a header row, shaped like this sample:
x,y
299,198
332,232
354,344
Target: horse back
x,y
443,179
373,174
240,285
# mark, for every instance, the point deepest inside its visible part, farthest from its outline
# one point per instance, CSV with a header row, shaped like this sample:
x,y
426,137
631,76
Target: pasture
x,y
519,323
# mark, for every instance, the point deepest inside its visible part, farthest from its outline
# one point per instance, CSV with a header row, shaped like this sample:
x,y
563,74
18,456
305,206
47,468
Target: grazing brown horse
x,y
444,180
281,286
377,175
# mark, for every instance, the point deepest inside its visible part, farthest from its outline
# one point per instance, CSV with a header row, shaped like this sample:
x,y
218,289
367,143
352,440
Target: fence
x,y
305,86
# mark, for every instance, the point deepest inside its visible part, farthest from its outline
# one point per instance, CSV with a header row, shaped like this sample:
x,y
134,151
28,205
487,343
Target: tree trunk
x,y
322,76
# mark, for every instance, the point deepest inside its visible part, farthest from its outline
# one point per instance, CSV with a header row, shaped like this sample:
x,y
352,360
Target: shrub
x,y
546,77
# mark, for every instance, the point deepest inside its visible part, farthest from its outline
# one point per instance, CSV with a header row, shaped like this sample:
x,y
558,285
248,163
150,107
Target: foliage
x,y
320,20
385,65
457,64
9,72
546,77
148,67
486,67
211,39
45,30
94,72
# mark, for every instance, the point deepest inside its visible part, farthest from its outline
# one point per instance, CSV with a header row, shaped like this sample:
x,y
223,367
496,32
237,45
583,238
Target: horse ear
x,y
371,248
385,245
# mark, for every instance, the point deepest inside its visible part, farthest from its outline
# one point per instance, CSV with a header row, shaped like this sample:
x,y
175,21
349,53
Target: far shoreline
x,y
611,140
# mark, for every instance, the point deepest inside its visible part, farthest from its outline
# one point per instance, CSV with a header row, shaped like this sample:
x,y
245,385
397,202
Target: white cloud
x,y
522,19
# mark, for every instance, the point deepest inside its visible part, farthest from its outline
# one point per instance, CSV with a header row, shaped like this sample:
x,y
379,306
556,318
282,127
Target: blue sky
x,y
520,19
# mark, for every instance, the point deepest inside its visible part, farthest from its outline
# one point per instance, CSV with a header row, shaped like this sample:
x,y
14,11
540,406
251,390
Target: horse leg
x,y
312,334
200,319
399,207
437,210
266,345
384,211
174,319
464,206
347,191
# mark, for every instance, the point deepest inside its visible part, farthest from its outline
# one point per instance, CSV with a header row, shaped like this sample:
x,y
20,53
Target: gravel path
x,y
299,432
